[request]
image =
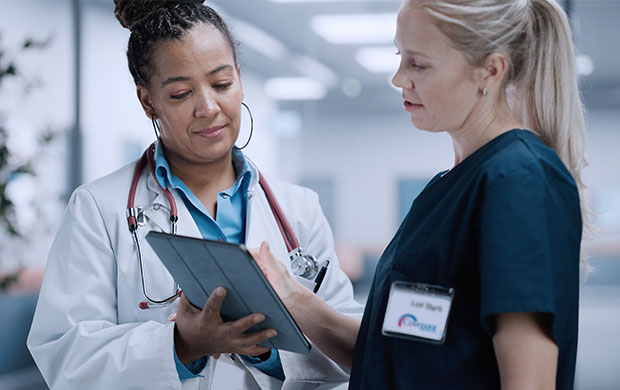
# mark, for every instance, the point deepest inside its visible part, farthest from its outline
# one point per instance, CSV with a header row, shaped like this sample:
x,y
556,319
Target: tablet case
x,y
199,266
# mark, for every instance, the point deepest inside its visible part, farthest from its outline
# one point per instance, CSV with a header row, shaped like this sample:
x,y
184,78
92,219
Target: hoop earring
x,y
484,91
251,125
156,127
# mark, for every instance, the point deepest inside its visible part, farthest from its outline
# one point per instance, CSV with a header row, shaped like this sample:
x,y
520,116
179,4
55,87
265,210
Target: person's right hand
x,y
203,332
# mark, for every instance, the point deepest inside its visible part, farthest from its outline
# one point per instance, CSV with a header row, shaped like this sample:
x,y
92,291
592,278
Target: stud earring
x,y
484,91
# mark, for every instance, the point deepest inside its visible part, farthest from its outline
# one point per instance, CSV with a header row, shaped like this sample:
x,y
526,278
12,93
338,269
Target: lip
x,y
412,106
210,132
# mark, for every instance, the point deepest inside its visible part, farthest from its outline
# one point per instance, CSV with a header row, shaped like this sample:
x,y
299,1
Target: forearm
x,y
332,332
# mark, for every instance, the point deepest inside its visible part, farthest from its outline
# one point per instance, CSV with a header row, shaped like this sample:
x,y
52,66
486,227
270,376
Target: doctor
x,y
105,317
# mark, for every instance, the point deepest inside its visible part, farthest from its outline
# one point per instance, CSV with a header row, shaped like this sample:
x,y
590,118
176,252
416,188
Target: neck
x,y
205,180
481,127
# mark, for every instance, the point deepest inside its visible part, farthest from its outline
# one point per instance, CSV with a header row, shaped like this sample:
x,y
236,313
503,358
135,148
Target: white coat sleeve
x,y
75,338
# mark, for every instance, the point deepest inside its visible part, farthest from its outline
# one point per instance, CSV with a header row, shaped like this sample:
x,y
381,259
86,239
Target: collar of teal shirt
x,y
247,175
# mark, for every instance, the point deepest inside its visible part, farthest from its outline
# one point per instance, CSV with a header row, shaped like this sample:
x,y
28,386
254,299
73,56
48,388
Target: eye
x,y
418,67
223,85
180,96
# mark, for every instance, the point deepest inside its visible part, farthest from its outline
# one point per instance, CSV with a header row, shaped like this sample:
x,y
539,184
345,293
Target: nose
x,y
400,79
207,105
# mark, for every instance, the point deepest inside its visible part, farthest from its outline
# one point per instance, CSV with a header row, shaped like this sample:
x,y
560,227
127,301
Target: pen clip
x,y
320,276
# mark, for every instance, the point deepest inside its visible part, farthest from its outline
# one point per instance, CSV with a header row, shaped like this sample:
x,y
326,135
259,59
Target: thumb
x,y
262,257
264,249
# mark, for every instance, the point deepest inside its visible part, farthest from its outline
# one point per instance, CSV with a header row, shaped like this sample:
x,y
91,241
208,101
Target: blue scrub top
x,y
503,228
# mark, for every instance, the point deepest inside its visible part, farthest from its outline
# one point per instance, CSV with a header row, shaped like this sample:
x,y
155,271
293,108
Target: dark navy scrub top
x,y
503,228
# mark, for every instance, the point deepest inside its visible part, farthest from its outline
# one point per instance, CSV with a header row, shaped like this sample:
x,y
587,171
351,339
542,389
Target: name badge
x,y
417,311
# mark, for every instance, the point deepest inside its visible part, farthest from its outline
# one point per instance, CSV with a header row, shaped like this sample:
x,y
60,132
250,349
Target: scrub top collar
x,y
489,147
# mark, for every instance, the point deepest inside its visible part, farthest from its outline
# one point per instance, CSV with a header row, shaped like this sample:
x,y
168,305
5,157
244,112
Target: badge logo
x,y
410,321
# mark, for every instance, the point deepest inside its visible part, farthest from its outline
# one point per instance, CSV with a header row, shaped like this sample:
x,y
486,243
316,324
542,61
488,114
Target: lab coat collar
x,y
158,211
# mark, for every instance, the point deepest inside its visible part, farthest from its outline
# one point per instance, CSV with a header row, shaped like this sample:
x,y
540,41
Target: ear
x,y
240,84
145,100
493,71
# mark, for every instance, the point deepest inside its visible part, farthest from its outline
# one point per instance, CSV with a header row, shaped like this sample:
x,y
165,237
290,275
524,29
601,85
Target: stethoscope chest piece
x,y
303,265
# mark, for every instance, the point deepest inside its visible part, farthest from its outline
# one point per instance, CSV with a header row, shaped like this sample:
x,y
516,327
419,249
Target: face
x,y
437,83
196,93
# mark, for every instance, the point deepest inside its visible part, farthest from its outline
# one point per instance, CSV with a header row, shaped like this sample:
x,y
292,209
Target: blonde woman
x,y
479,287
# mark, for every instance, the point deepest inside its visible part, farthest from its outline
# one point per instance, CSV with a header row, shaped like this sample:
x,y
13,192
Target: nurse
x,y
90,329
479,287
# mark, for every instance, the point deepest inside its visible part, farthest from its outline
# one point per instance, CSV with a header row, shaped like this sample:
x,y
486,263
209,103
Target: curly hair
x,y
154,21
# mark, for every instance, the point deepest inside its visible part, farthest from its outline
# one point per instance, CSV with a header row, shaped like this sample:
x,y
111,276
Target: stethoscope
x,y
302,265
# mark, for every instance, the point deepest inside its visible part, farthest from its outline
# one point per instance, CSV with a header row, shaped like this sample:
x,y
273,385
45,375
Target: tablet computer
x,y
199,266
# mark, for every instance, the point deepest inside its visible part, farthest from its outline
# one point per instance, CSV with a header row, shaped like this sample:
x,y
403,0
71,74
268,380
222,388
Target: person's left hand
x,y
288,289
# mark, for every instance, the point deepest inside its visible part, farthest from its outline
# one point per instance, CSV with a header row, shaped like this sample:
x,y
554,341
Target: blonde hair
x,y
536,37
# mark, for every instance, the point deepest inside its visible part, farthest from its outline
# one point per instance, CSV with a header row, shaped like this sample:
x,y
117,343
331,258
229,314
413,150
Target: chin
x,y
418,124
421,125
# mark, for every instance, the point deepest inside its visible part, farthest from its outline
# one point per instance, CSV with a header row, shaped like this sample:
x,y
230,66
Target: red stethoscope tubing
x,y
147,159
285,228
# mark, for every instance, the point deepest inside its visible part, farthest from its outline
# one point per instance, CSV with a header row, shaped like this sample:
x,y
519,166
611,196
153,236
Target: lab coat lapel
x,y
262,225
186,225
158,211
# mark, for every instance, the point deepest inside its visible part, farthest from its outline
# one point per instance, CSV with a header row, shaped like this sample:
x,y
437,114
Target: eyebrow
x,y
220,68
174,80
185,78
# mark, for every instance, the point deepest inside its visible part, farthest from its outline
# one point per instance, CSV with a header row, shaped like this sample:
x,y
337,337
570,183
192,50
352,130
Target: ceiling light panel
x,y
355,28
295,88
329,1
378,59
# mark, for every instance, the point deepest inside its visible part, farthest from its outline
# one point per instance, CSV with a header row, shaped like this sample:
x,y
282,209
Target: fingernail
x,y
259,318
172,317
272,333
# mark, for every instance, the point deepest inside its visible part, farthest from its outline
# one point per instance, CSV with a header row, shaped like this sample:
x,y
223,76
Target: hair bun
x,y
130,13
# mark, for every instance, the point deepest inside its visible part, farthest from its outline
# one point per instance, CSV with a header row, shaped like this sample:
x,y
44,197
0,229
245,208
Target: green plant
x,y
11,167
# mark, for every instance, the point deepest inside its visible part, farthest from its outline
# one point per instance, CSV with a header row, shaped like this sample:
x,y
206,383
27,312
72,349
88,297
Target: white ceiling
x,y
596,25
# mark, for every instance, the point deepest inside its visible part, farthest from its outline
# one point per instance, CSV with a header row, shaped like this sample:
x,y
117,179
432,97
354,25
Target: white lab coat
x,y
88,331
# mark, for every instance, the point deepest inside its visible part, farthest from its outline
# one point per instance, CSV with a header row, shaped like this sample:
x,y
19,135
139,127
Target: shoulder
x,y
113,187
524,157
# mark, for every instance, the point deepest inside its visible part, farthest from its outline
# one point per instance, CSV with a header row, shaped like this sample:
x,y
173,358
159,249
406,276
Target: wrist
x,y
182,349
300,294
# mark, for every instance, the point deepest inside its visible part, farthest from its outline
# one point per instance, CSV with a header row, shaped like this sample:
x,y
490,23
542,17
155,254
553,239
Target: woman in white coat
x,y
90,329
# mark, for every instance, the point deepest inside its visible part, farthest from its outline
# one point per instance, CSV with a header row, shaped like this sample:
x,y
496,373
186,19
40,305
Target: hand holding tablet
x,y
200,266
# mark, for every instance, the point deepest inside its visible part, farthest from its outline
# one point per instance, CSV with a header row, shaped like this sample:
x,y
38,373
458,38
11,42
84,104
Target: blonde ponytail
x,y
554,107
542,77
